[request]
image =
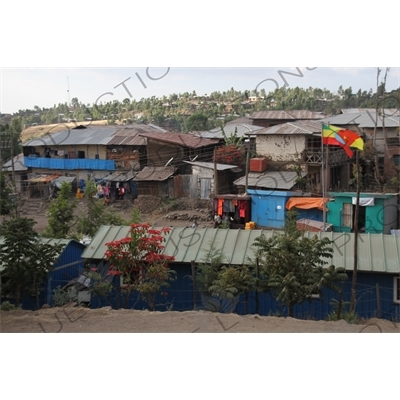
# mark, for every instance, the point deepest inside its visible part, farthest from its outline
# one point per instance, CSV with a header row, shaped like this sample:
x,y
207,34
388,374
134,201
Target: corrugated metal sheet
x,y
120,176
181,139
18,164
287,115
364,120
75,137
210,165
293,128
154,174
242,130
377,253
270,180
388,111
43,178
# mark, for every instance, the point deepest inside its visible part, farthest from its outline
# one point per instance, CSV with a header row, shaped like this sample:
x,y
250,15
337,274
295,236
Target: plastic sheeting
x,y
63,163
306,203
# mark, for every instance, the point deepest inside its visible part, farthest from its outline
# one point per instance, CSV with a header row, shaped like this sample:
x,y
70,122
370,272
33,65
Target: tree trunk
x,y
37,294
290,310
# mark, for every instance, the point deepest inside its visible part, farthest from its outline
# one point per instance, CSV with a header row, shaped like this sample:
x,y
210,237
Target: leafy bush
x,y
61,297
7,306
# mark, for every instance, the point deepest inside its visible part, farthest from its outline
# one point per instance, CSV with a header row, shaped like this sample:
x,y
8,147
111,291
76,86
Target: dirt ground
x,y
71,319
171,213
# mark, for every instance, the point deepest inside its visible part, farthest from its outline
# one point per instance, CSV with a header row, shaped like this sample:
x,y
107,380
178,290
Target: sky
x,y
23,87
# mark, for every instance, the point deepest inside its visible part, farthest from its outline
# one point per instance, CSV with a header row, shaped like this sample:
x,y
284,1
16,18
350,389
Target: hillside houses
x,y
173,164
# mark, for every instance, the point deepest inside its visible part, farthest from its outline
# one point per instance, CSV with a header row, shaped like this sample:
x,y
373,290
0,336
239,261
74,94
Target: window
x,y
396,289
347,214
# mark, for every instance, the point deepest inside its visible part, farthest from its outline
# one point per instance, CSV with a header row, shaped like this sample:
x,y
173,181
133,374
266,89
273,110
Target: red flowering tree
x,y
230,154
138,259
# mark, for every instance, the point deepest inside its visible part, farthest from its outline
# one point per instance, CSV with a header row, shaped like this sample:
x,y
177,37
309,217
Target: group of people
x,y
103,191
225,221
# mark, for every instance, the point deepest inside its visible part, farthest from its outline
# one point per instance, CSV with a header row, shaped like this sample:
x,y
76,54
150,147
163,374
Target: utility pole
x,y
247,144
354,280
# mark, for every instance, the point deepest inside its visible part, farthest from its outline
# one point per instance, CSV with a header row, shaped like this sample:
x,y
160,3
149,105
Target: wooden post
x,y
378,302
193,264
215,172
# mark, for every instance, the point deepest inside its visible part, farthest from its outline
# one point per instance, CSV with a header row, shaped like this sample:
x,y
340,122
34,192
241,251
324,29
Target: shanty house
x,y
378,281
174,148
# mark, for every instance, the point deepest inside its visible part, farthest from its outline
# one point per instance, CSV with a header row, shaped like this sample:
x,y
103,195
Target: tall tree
x,y
26,260
61,214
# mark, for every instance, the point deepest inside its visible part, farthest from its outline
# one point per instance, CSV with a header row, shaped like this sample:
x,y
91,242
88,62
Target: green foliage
x,y
7,306
98,287
6,204
293,267
97,214
155,277
61,214
233,139
136,218
220,281
26,260
197,122
61,297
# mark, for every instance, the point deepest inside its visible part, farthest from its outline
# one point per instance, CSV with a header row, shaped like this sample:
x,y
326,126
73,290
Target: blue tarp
x,y
63,163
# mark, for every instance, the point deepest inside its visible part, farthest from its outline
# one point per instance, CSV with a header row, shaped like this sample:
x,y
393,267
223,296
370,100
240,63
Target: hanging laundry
x,y
220,206
242,208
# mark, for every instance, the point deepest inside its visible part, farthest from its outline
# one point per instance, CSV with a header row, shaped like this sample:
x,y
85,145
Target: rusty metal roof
x,y
130,135
181,139
43,178
293,128
288,115
154,174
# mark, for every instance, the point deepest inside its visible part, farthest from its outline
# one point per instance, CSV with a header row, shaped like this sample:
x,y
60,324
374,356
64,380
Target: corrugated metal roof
x,y
243,130
377,252
210,165
121,176
293,128
43,178
388,111
18,164
59,181
181,139
270,180
97,135
288,115
364,120
154,174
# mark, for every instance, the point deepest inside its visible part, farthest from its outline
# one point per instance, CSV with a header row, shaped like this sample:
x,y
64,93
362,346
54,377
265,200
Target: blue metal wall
x,y
268,208
180,297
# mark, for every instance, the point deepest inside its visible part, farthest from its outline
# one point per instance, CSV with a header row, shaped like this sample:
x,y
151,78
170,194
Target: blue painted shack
x,y
69,266
378,280
268,207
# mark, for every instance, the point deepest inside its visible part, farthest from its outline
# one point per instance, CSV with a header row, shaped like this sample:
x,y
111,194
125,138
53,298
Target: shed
x,y
378,279
154,181
378,212
204,172
268,207
69,266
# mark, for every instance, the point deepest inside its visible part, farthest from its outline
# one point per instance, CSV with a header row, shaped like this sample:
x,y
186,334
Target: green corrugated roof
x,y
376,252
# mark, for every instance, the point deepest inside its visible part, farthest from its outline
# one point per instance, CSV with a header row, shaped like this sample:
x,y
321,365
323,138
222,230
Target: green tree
x,y
197,122
293,266
25,259
6,204
97,214
61,214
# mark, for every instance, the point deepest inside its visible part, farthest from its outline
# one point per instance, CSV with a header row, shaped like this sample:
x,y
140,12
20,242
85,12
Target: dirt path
x,y
105,320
